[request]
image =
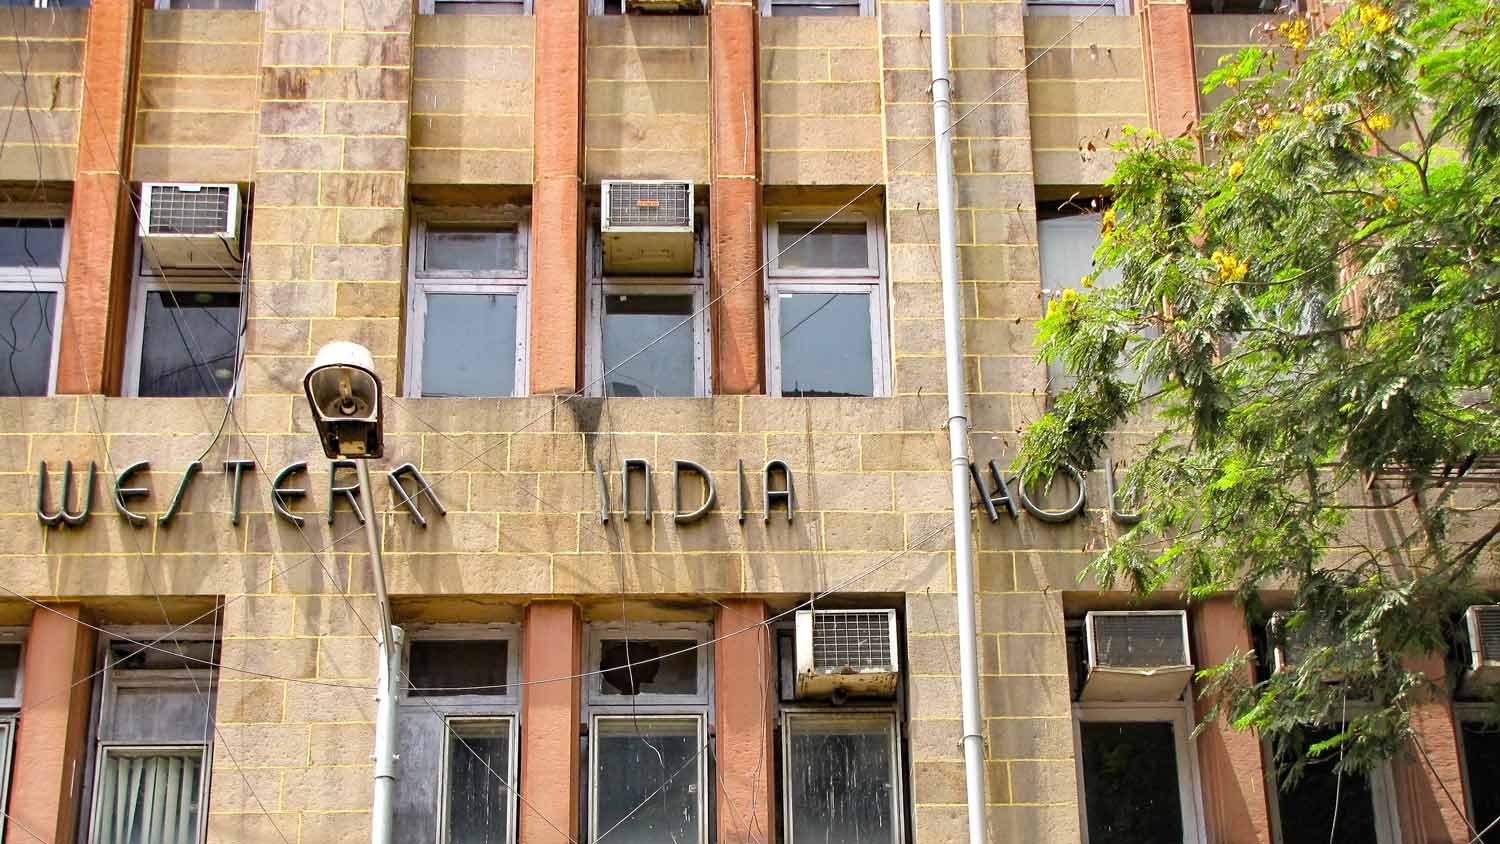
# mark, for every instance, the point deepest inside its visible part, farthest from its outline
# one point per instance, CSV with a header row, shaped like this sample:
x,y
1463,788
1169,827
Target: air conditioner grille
x,y
852,640
650,204
1487,620
1138,640
177,211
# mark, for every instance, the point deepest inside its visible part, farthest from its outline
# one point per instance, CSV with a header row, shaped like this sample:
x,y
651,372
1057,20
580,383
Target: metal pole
x,y
958,425
383,805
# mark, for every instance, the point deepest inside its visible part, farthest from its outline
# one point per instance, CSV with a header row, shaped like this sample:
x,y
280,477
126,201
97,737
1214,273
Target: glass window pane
x,y
148,798
10,669
469,344
825,345
248,5
668,367
31,242
469,7
26,320
832,245
1306,807
841,780
646,780
188,343
67,4
818,10
1130,782
1482,760
478,771
177,713
457,667
466,247
676,674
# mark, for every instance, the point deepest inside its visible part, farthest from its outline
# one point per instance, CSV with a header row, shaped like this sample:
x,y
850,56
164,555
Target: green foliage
x,y
1316,316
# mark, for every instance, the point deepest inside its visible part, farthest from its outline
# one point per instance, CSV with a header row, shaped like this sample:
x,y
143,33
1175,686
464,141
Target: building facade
x,y
615,468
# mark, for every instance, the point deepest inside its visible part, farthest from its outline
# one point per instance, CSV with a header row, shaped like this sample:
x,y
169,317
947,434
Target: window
x,y
648,335
817,8
1078,8
648,733
49,4
826,305
11,651
152,739
467,307
841,777
208,5
476,7
457,735
620,7
31,292
1479,741
1303,812
1242,7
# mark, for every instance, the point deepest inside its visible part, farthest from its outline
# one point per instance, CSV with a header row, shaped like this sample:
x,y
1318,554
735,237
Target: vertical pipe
x,y
958,425
383,802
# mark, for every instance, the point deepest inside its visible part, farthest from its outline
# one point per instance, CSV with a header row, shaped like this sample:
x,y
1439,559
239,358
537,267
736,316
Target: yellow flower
x,y
1312,110
1107,222
1236,169
1230,267
1346,36
1390,204
1379,122
1369,202
1087,282
1296,32
1069,296
1376,18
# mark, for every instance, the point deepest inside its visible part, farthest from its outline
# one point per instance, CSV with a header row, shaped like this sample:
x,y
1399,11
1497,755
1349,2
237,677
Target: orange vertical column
x,y
742,723
93,318
1171,78
1229,760
52,736
1429,782
557,198
734,219
553,636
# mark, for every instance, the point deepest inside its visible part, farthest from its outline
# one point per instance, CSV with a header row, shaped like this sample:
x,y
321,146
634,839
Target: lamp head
x,y
344,392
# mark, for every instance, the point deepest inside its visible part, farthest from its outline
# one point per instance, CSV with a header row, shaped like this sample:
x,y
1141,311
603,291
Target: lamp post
x,y
344,394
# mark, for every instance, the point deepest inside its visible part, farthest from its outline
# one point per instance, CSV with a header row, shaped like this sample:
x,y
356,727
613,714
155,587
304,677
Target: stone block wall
x,y
41,90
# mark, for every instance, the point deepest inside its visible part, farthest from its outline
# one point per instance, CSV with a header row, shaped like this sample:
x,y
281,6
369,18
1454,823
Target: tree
x,y
1314,315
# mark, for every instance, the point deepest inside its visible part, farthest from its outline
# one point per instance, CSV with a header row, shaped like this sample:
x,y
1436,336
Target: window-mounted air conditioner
x,y
1482,673
846,653
190,225
664,6
1138,655
1288,645
647,228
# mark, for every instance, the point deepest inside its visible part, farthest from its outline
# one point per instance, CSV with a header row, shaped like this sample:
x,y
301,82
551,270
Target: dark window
x,y
648,666
10,670
668,366
1240,7
457,667
647,779
31,242
1482,763
1130,782
471,249
478,805
189,343
1307,806
26,320
841,779
825,344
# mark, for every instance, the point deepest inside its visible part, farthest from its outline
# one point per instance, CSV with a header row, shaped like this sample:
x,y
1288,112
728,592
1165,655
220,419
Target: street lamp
x,y
344,394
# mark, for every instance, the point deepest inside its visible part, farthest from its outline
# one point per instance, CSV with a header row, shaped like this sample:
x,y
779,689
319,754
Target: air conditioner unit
x,y
190,225
846,653
1138,655
1482,673
664,6
1287,646
647,228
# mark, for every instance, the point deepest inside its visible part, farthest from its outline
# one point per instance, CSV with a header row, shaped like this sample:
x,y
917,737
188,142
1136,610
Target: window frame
x,y
108,750
596,9
870,280
8,724
513,756
1464,712
601,286
698,634
429,7
790,712
146,281
1189,782
1382,797
43,279
1065,8
166,5
866,8
422,282
499,632
700,762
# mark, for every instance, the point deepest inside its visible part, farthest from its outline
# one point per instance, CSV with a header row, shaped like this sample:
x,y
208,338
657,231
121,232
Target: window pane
x,y
468,248
1307,806
469,344
26,319
10,669
188,345
148,798
1482,758
832,245
478,770
213,4
841,780
156,714
456,668
646,779
819,10
825,345
31,243
1130,782
468,7
667,368
68,4
676,674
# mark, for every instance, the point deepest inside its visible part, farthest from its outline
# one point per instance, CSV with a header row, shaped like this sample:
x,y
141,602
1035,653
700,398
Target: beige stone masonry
x,y
41,90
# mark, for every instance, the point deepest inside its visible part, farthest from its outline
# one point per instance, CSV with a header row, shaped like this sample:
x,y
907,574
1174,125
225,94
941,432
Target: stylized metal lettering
x,y
1054,516
644,468
236,470
123,492
176,502
1121,517
997,495
350,493
280,494
409,501
64,516
710,495
783,495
